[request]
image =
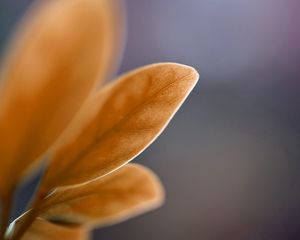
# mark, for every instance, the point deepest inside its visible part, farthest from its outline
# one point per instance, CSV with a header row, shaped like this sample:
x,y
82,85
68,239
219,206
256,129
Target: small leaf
x,y
60,52
44,230
119,123
131,190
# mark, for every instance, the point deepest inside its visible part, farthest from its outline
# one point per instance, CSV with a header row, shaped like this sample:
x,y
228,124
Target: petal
x,y
119,123
127,192
44,230
60,52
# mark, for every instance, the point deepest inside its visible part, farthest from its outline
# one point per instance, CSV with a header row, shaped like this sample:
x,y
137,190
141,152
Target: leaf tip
x,y
158,190
186,72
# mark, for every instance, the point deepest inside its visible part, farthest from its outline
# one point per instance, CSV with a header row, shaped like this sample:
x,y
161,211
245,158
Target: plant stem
x,y
29,217
6,209
27,220
25,223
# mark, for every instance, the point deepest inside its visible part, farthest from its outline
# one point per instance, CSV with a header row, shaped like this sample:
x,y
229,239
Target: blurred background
x,y
230,158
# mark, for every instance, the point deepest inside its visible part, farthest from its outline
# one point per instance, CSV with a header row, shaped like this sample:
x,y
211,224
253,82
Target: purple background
x,y
230,158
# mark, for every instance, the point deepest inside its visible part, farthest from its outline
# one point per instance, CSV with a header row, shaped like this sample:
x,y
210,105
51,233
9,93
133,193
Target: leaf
x,y
118,123
61,51
131,190
44,230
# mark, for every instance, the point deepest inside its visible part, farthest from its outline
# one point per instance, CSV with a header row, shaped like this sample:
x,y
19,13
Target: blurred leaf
x,y
119,123
60,52
131,190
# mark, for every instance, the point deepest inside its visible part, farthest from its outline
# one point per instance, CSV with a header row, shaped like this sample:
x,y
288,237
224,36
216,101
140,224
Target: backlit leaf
x,y
118,123
131,190
60,52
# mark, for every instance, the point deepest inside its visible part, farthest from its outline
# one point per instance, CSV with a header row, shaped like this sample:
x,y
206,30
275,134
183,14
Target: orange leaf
x,y
119,123
131,190
60,52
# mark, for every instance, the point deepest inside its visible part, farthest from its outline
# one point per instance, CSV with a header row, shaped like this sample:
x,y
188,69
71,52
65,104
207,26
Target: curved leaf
x,y
118,123
131,190
60,52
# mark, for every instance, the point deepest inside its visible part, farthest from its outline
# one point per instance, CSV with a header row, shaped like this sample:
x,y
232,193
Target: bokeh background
x,y
230,158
